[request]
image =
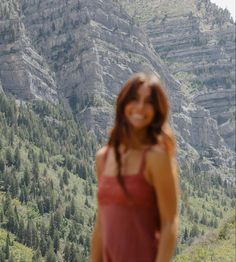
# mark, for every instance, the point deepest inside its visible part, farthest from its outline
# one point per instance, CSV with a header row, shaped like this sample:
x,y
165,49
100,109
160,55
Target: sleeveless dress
x,y
130,226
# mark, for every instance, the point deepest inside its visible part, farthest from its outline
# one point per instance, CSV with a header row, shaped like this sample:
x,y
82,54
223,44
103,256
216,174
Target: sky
x,y
229,4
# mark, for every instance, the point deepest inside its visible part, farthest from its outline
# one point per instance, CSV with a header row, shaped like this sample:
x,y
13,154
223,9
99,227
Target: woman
x,y
137,179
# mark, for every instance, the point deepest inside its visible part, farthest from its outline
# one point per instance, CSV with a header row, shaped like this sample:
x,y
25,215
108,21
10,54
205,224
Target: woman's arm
x,y
96,240
164,178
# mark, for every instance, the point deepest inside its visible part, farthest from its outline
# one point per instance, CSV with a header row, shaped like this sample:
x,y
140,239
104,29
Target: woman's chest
x,y
134,191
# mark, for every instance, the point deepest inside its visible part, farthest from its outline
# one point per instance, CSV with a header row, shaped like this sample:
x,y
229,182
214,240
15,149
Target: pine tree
x,y
185,237
29,234
11,137
2,255
51,227
65,177
204,219
9,157
194,231
50,256
196,217
43,245
2,166
72,253
20,232
56,241
6,203
37,255
17,159
72,207
67,252
24,195
35,170
67,212
11,258
11,224
58,218
7,247
13,185
26,178
72,236
35,238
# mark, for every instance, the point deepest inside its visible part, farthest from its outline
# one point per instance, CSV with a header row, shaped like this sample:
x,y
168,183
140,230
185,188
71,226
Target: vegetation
x,y
47,200
206,200
217,245
46,180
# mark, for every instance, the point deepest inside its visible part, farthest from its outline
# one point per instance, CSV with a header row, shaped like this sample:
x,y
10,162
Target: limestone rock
x,y
198,44
23,72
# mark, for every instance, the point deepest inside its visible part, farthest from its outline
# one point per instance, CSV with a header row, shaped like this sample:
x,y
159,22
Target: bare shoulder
x,y
100,154
159,161
157,152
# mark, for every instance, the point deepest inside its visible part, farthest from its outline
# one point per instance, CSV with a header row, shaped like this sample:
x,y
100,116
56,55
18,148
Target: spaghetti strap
x,y
143,161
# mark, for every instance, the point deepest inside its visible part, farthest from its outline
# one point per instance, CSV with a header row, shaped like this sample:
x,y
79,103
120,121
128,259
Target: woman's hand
x,y
163,174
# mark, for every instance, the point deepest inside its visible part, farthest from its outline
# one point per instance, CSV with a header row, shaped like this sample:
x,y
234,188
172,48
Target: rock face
x,y
83,51
1,90
23,72
93,47
197,43
221,105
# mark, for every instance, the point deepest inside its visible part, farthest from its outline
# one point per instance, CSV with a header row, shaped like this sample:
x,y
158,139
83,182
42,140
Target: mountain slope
x,y
46,179
81,52
197,41
94,51
23,72
218,245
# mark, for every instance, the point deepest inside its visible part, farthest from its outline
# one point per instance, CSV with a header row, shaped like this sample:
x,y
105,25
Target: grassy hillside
x,y
206,201
217,245
16,251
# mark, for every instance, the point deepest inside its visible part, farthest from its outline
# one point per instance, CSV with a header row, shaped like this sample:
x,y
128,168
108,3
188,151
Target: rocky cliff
x,y
221,105
196,39
23,72
92,47
83,51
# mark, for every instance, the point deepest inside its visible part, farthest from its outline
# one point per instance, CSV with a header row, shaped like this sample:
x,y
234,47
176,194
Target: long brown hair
x,y
158,131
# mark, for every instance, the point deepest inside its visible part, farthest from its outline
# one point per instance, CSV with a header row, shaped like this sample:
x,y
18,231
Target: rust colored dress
x,y
129,225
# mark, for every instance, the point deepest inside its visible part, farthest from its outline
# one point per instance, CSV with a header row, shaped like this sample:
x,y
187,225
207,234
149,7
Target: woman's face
x,y
139,112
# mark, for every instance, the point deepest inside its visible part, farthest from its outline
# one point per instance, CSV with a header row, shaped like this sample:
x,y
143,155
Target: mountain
x,y
63,63
196,39
23,72
91,48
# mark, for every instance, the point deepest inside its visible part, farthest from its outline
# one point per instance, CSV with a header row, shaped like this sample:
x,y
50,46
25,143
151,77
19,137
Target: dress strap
x,y
143,160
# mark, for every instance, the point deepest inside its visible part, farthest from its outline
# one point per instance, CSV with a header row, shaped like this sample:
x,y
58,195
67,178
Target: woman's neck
x,y
138,139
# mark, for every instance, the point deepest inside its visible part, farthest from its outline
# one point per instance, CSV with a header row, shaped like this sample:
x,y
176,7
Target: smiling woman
x,y
139,111
137,179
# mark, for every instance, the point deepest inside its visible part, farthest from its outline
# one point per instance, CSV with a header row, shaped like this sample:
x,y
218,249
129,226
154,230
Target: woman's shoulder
x,y
100,156
157,150
101,152
158,155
